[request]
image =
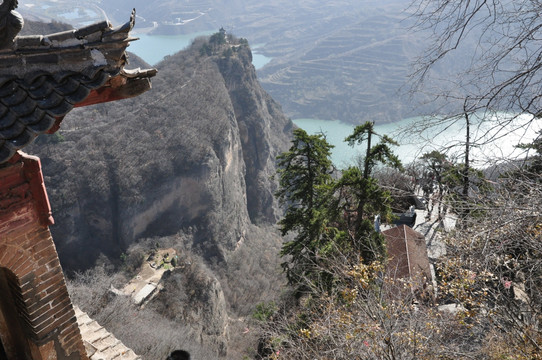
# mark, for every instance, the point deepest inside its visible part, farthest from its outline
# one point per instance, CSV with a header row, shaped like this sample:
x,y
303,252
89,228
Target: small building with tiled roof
x,y
407,253
42,78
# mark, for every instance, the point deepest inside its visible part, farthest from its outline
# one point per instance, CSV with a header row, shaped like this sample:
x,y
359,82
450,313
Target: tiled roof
x,y
42,78
99,343
407,252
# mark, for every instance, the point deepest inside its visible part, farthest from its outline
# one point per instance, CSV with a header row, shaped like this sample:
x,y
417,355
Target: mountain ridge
x,y
189,165
342,60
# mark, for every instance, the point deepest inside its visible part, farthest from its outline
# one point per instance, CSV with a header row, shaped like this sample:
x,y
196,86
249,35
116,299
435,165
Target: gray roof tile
x,y
42,78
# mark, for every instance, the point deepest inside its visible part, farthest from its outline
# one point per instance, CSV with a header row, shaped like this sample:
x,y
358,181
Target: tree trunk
x,y
368,153
467,164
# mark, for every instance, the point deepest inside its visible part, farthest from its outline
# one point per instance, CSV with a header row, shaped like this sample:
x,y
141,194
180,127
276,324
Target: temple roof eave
x,y
43,77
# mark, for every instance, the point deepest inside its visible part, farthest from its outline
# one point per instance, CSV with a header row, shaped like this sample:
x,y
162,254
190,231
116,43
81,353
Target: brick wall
x,y
31,268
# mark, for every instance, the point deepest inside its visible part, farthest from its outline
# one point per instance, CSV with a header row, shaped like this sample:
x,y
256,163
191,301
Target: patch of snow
x,y
451,308
448,223
65,43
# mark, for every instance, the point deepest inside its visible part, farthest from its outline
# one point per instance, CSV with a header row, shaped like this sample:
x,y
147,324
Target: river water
x,y
498,142
153,48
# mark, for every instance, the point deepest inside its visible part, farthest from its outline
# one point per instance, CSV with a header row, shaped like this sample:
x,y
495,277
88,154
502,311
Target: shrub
x,y
264,311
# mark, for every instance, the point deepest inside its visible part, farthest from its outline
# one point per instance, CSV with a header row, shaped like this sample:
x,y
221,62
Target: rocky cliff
x,y
190,160
197,151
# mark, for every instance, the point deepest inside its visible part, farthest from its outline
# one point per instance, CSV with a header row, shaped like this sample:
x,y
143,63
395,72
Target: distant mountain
x,y
343,60
348,67
37,27
339,59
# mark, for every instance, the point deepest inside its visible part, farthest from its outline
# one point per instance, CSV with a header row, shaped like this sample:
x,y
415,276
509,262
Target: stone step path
x,y
99,343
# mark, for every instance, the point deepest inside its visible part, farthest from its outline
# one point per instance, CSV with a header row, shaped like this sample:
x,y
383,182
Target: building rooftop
x,y
407,252
43,77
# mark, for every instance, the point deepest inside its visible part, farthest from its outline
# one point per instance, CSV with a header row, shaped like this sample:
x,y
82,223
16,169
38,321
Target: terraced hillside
x,y
353,73
338,59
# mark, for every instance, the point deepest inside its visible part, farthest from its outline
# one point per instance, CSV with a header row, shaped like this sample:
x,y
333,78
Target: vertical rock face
x,y
197,151
193,156
263,131
190,160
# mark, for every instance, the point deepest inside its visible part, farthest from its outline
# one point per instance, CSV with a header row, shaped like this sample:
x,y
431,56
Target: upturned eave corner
x,y
43,77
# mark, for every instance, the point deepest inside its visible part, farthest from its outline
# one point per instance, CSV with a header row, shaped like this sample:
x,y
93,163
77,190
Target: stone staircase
x,y
99,343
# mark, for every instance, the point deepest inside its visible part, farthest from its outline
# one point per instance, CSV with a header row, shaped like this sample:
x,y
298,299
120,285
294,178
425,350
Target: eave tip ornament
x,y
43,77
11,23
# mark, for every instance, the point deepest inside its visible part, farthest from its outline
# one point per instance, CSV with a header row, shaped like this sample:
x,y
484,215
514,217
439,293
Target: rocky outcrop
x,y
193,296
193,156
260,132
197,151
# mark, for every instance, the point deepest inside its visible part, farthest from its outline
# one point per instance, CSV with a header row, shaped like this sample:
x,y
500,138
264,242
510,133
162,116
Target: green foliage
x,y
534,164
305,172
227,53
436,164
218,38
449,179
360,134
305,188
453,178
264,311
50,139
536,145
328,215
215,44
359,198
380,153
360,192
205,49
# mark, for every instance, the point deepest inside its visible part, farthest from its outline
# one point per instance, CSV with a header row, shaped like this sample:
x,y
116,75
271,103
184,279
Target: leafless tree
x,y
370,316
497,53
497,258
490,277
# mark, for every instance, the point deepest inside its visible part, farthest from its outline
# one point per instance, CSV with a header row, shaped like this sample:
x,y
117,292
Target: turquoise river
x,y
153,48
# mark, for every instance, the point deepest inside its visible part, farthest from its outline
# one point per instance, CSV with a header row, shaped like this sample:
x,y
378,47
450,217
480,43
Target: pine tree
x,y
379,153
360,200
534,163
364,198
305,188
